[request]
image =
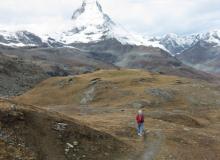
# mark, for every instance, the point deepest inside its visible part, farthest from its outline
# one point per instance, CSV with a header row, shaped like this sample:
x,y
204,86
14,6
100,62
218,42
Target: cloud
x,y
152,17
163,16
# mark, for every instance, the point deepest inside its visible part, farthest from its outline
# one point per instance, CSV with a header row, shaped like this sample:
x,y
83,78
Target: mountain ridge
x,y
176,44
89,24
93,30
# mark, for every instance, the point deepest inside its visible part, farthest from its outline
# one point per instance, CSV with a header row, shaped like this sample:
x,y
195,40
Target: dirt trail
x,y
153,141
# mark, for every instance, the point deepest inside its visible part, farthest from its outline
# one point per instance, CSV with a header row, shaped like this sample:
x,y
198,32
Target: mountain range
x,y
96,41
176,44
89,24
201,51
74,95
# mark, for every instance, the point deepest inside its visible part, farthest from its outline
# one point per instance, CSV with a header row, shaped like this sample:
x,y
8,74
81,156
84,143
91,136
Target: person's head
x,y
140,112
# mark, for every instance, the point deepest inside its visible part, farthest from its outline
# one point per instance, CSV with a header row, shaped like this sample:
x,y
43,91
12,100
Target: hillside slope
x,y
18,75
181,114
31,133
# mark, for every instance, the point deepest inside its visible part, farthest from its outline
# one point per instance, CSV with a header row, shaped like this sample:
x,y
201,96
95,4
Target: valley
x,y
93,30
75,94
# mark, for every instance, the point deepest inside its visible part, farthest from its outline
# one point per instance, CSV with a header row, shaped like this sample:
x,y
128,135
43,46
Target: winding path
x,y
153,143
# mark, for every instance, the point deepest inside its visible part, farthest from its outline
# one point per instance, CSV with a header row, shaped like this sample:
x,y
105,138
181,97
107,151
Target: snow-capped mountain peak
x,y
91,24
88,6
90,13
177,44
212,37
19,39
174,43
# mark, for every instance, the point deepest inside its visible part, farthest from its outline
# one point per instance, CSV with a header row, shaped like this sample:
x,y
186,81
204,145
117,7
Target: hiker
x,y
140,122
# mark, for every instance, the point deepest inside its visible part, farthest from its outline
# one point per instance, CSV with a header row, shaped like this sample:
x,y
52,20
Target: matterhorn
x,y
91,24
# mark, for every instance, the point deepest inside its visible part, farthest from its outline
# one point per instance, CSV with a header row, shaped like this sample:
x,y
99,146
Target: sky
x,y
147,17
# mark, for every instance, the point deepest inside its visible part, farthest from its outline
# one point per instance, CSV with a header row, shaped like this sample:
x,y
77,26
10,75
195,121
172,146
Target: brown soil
x,y
28,132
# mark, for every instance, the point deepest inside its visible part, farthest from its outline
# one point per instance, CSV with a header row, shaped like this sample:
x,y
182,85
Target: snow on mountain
x,y
205,54
176,44
91,24
212,37
19,39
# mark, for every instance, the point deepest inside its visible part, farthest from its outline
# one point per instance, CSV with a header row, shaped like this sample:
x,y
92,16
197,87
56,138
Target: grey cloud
x,y
143,16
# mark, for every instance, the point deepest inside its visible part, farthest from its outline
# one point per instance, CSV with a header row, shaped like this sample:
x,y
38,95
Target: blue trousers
x,y
140,128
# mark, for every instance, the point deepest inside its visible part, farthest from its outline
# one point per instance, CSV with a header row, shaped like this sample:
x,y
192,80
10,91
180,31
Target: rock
x,y
70,80
88,96
66,150
67,82
75,143
166,95
13,107
60,126
179,82
18,76
143,80
86,69
69,145
106,154
12,117
94,81
186,129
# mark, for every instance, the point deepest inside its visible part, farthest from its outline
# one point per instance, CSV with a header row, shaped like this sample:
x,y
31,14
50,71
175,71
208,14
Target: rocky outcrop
x,y
17,75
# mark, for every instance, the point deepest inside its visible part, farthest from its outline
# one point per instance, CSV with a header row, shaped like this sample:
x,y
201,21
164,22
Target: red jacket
x,y
140,118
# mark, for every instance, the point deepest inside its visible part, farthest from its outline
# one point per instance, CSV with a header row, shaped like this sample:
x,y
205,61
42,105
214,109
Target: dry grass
x,y
69,90
116,95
